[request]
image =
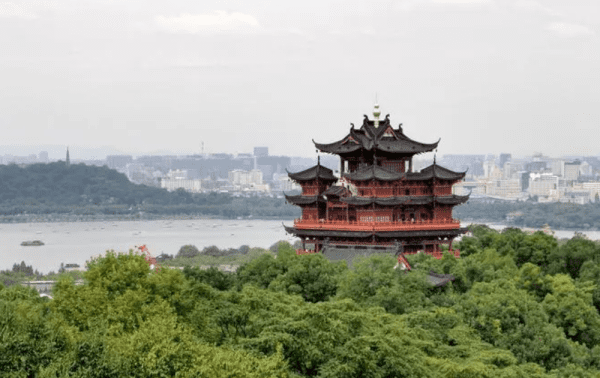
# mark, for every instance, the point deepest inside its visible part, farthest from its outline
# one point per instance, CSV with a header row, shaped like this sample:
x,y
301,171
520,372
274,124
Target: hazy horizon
x,y
485,76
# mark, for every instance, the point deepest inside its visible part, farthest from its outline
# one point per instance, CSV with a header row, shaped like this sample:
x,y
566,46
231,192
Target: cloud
x,y
462,2
219,21
12,10
569,30
534,6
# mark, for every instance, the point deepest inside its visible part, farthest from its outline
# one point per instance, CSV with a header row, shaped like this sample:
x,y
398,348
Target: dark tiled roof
x,y
304,200
381,234
316,172
368,137
336,190
422,233
325,233
374,172
436,171
452,200
405,200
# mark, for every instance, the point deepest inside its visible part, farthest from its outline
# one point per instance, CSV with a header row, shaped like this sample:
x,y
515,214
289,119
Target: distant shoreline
x,y
61,218
66,218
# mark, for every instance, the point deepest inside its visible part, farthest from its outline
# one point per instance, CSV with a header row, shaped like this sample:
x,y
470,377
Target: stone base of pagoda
x,y
346,245
338,252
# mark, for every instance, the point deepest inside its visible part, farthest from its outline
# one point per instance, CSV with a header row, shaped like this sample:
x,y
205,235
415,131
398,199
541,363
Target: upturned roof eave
x,y
315,172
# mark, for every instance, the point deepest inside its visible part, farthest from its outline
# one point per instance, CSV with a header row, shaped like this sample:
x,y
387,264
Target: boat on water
x,y
32,243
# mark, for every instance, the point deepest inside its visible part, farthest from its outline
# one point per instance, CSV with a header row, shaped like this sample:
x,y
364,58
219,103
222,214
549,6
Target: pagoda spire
x,y
376,113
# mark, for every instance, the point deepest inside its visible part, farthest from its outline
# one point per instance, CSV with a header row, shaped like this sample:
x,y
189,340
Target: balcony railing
x,y
432,224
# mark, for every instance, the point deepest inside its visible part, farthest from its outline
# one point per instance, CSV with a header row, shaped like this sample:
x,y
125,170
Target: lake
x,y
76,242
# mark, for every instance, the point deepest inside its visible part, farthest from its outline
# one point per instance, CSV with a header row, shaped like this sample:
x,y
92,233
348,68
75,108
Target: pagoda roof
x,y
325,233
452,200
375,172
313,173
382,234
372,172
437,171
405,200
337,190
304,200
382,138
422,233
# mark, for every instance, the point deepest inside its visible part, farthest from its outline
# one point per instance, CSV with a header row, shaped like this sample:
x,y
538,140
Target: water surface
x,y
76,242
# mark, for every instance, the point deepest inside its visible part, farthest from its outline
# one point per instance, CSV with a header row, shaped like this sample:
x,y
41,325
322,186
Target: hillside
x,y
87,190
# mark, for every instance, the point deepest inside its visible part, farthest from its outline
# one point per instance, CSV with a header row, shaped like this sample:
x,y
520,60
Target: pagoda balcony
x,y
342,225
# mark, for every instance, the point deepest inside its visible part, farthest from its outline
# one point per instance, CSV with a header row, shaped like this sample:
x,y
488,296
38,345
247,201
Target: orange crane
x,y
151,260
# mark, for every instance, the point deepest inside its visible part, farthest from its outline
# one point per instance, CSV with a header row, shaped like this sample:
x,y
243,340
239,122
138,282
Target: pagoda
x,y
377,204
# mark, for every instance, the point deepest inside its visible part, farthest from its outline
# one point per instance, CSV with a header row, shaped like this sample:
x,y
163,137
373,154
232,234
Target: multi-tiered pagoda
x,y
378,204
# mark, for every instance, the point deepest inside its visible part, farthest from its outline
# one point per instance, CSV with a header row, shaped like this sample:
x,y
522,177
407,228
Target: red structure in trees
x,y
151,260
378,204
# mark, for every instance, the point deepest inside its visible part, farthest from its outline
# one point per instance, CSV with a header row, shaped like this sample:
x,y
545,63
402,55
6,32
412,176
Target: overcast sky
x,y
485,76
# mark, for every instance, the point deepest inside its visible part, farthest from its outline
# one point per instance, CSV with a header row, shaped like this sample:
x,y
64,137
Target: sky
x,y
155,76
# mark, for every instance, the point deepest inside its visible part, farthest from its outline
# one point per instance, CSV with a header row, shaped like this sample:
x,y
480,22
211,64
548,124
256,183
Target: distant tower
x,y
68,161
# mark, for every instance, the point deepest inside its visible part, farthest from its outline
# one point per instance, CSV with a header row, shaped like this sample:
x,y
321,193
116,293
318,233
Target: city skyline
x,y
485,76
83,153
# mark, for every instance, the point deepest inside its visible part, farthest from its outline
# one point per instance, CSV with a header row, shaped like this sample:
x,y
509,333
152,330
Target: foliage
x,y
211,276
557,215
313,277
520,306
83,190
188,251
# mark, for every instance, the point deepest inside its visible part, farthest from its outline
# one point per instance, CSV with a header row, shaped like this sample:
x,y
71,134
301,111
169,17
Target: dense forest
x,y
520,306
563,216
82,190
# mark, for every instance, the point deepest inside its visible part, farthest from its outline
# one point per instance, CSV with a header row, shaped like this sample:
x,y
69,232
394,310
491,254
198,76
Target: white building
x,y
178,179
540,184
285,184
509,188
178,174
246,178
571,172
194,186
593,188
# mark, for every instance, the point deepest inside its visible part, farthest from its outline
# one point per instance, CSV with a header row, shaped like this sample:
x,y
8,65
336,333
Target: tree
x,y
572,255
509,318
311,276
211,276
261,271
571,308
188,250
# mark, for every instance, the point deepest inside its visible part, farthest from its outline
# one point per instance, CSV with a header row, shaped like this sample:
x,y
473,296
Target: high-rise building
x,y
261,151
504,158
571,170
